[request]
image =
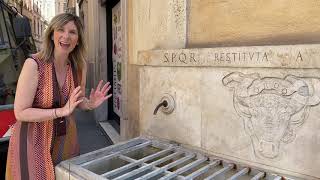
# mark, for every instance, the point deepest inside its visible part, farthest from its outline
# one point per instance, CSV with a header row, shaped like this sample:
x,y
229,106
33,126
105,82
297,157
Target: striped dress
x,y
34,148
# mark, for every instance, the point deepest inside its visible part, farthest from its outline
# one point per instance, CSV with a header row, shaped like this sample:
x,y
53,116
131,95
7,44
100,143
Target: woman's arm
x,y
25,93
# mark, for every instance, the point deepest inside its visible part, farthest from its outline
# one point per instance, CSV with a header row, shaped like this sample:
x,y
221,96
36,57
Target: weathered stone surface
x,y
151,24
153,28
267,116
158,24
62,174
184,123
262,113
252,22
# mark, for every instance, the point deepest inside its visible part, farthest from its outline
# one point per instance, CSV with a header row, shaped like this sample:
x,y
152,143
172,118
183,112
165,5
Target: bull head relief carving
x,y
271,108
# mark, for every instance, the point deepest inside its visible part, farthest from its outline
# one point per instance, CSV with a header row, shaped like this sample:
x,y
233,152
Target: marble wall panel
x,y
183,125
268,117
158,24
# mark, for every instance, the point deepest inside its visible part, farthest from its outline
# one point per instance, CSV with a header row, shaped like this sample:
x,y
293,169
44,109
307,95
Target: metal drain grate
x,y
142,158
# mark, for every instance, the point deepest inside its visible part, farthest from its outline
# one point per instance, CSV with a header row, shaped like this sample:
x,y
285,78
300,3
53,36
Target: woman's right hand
x,y
73,102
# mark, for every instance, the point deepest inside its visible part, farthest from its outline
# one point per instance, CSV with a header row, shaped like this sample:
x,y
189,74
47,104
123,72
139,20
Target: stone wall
x,y
257,105
249,104
209,85
149,28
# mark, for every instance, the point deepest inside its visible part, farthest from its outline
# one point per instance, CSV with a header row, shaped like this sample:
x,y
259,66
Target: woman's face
x,y
65,38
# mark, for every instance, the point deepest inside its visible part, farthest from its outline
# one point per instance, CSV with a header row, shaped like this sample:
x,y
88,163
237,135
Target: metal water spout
x,y
163,103
166,104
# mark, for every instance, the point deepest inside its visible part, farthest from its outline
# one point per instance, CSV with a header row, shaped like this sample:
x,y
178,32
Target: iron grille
x,y
143,158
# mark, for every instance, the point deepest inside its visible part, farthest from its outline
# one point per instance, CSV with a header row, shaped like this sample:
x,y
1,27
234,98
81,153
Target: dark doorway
x,y
113,118
4,144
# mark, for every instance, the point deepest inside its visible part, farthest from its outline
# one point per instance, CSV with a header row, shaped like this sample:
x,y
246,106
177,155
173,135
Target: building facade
x,y
33,10
61,6
72,7
211,34
46,9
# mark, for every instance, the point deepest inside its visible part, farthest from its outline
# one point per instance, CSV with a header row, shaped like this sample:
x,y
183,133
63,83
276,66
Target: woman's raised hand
x,y
99,95
73,101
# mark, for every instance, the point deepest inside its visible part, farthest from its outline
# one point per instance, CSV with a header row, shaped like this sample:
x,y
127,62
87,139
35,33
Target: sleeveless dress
x,y
34,148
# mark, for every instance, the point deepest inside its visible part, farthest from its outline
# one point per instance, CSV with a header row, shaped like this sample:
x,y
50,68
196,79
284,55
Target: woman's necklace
x,y
60,123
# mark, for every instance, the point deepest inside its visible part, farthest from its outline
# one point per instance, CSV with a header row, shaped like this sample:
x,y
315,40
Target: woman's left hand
x,y
99,95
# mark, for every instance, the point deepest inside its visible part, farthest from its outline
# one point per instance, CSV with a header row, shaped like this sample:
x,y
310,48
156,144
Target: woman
x,y
51,85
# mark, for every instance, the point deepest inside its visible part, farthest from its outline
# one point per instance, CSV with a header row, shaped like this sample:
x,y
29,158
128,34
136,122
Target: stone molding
x,y
284,56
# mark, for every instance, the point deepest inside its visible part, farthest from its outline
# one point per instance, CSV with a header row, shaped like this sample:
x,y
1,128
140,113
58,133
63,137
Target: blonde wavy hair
x,y
78,54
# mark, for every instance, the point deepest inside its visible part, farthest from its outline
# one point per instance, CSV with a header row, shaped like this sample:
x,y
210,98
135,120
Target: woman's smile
x,y
64,45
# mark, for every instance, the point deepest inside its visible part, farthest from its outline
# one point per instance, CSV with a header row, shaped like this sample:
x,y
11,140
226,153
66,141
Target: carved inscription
x,y
248,57
272,108
194,58
241,57
299,57
182,57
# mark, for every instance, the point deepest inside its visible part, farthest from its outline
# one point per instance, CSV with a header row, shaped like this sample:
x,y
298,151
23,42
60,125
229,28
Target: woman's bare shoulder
x,y
30,64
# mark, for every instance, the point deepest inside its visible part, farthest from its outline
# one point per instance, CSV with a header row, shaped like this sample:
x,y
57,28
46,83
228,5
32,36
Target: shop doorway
x,y
114,61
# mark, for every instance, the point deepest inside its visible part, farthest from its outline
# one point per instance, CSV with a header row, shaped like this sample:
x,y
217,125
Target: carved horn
x,y
240,82
314,91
